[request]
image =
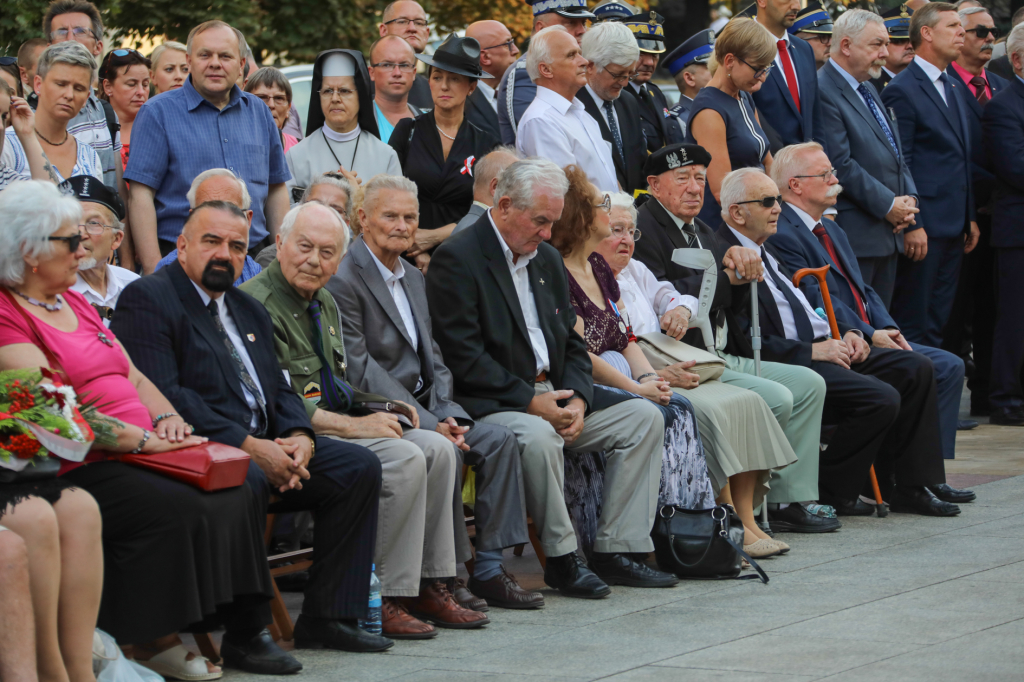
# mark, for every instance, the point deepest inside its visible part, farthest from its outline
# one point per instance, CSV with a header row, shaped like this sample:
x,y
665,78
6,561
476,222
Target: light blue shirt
x,y
855,85
383,124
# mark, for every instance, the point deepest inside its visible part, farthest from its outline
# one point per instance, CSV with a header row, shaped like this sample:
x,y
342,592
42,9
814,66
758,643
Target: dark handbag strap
x,y
30,325
761,575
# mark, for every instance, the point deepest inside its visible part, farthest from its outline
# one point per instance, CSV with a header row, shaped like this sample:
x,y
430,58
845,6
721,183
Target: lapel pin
x,y
542,281
251,337
331,330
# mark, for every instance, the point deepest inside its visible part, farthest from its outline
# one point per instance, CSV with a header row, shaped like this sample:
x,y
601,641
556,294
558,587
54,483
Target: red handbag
x,y
209,467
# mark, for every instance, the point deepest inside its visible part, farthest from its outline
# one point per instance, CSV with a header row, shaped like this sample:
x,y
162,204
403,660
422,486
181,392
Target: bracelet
x,y
640,378
142,443
166,415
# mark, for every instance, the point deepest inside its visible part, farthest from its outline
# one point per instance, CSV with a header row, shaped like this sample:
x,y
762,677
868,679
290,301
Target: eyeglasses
x,y
7,61
606,204
95,227
510,43
983,31
766,202
619,232
619,78
329,92
75,31
759,72
826,176
402,22
74,241
279,100
404,67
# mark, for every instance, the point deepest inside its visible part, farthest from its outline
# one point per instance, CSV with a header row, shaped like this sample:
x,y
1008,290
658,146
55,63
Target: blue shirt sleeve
x,y
150,155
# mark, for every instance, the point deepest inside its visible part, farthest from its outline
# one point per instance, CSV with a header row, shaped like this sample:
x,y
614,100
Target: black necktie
x,y
247,381
614,127
336,391
803,325
947,88
690,234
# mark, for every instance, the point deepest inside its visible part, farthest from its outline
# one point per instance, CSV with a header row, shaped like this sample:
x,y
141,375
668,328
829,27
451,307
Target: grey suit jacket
x,y
380,354
871,173
475,213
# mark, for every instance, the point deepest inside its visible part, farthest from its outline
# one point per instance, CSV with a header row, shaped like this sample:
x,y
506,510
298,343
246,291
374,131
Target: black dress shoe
x,y
569,575
966,424
1007,416
326,633
947,493
920,500
981,410
796,518
855,507
260,655
619,569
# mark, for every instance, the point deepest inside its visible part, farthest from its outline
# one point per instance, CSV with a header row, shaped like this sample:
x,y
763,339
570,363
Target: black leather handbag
x,y
701,544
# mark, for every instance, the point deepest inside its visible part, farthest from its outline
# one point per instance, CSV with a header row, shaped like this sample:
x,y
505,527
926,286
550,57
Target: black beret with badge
x,y
86,188
676,156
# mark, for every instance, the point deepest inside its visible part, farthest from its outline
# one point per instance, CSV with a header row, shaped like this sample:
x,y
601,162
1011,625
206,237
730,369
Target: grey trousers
x,y
500,508
631,435
416,517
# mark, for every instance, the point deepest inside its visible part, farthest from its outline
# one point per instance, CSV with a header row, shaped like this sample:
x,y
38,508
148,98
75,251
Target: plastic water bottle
x,y
372,624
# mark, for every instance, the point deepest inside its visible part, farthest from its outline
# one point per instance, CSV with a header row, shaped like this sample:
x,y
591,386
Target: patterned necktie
x,y
614,127
787,68
869,99
947,88
826,241
690,234
980,84
247,381
336,391
803,326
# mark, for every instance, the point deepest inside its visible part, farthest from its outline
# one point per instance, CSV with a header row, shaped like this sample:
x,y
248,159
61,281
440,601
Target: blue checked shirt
x,y
178,135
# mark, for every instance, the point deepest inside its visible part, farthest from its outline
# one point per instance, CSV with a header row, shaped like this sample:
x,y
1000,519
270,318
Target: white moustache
x,y
834,191
87,264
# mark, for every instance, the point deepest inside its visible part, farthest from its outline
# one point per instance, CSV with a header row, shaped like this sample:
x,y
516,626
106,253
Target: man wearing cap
x,y
407,20
879,200
498,52
688,64
556,126
795,395
788,100
517,89
612,54
814,25
659,129
102,217
901,52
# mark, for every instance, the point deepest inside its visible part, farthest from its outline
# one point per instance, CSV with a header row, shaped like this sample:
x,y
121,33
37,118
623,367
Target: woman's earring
x,y
34,270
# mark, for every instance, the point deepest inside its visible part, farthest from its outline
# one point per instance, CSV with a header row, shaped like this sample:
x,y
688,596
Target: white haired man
x,y
556,126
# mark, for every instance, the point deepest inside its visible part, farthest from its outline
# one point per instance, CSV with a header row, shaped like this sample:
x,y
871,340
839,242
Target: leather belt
x,y
543,376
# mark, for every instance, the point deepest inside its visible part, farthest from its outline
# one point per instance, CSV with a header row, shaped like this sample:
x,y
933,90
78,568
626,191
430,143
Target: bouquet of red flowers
x,y
39,417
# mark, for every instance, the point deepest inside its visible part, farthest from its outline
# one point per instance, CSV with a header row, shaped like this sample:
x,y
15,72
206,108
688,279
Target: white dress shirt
x,y
778,59
819,327
933,72
604,112
393,281
117,280
236,340
521,280
490,94
562,131
646,298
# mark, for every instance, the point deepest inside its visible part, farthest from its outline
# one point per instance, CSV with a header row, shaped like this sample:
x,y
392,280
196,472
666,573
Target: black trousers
x,y
887,411
342,492
925,290
879,273
1008,350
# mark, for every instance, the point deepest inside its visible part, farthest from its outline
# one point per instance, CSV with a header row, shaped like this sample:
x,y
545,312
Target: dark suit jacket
x,y
378,348
171,337
480,327
1003,132
775,103
657,124
881,81
419,95
937,148
775,347
800,249
872,174
1002,67
480,114
629,170
981,171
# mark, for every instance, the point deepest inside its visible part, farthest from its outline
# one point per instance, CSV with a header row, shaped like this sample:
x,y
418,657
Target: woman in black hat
x,y
437,149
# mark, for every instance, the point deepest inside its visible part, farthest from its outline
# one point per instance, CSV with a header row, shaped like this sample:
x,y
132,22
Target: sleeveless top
x,y
601,328
746,141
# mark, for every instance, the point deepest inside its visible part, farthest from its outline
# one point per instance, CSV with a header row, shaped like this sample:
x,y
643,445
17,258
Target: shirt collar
x,y
1018,78
486,89
554,100
933,72
598,100
193,99
114,285
966,75
205,296
388,275
845,74
676,219
810,222
744,239
523,260
891,74
282,287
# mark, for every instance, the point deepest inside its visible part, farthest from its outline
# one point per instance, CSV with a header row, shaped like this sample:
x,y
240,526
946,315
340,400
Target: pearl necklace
x,y
444,133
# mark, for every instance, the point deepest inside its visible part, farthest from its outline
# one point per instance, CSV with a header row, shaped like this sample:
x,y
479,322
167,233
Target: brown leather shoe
x,y
465,596
437,605
503,591
399,624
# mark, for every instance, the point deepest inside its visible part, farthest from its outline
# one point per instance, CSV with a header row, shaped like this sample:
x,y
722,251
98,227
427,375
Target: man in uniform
x,y
688,64
814,26
901,52
658,126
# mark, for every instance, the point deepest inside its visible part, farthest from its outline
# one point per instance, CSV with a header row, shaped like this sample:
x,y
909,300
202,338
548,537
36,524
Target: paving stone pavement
x,y
902,598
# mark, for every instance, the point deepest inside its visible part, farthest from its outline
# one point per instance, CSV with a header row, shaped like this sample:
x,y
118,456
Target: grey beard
x,y
874,71
87,264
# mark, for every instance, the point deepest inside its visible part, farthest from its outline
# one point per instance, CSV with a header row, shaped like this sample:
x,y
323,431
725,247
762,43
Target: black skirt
x,y
175,558
49,489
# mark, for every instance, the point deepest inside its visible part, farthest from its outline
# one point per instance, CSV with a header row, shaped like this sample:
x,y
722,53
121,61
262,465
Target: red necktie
x,y
787,67
826,241
980,84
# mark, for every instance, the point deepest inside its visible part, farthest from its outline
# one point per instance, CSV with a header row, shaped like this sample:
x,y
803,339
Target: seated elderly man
x,y
807,239
219,184
420,516
391,350
332,189
102,212
499,303
209,348
485,179
796,395
883,399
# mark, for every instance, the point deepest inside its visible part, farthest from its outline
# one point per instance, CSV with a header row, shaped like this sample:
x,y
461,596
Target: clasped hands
x,y
282,460
567,421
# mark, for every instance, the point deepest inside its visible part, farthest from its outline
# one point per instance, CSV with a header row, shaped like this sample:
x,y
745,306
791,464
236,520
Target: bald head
x,y
487,170
497,51
391,46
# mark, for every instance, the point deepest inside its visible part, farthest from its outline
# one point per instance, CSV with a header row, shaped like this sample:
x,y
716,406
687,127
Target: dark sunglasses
x,y
983,32
767,202
7,61
74,241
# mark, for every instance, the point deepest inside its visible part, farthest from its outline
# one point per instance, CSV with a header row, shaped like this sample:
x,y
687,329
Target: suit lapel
x,y
540,279
675,235
418,305
861,108
780,82
371,277
972,102
499,270
247,330
933,94
591,108
764,294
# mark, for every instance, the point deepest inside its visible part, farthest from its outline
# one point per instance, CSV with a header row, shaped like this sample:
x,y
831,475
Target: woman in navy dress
x,y
723,119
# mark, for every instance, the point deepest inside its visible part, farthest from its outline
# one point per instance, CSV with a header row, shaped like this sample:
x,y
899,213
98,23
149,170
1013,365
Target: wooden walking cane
x,y
820,274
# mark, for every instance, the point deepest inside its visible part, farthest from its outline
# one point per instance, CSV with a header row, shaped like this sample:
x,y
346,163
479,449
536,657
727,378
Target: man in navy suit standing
x,y
788,101
930,109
